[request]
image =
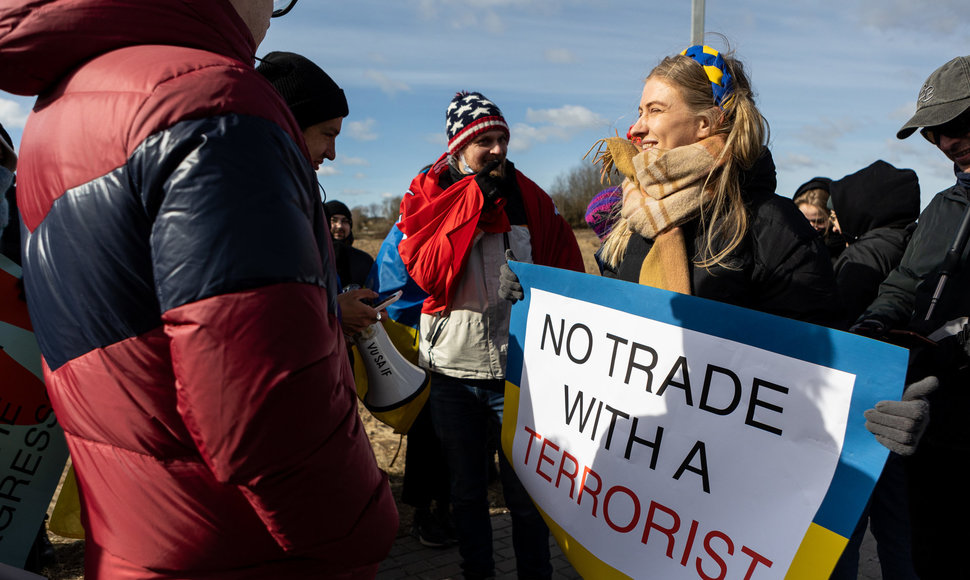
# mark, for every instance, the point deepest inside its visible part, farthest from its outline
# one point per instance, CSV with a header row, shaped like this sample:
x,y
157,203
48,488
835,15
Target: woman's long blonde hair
x,y
724,217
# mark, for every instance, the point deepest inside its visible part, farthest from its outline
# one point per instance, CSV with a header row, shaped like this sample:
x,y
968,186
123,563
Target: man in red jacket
x,y
458,219
182,289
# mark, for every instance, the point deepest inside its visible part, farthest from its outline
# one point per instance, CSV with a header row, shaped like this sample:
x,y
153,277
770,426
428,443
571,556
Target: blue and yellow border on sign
x,y
879,369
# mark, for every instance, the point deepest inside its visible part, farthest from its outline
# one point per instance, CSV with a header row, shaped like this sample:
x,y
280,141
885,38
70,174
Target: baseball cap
x,y
944,95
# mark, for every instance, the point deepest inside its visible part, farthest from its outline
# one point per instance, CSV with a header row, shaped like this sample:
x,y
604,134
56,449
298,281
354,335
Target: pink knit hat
x,y
600,214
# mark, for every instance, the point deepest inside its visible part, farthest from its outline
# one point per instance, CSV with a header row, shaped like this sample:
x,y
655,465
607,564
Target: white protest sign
x,y
665,449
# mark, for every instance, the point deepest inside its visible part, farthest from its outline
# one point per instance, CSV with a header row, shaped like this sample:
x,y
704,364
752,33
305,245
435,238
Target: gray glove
x,y
898,425
508,283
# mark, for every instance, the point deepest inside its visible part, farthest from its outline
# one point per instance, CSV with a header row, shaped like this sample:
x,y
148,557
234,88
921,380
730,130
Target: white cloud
x,y
559,124
359,175
350,192
440,139
484,14
935,17
525,136
378,57
493,23
328,169
12,114
388,85
903,113
559,55
357,161
362,130
824,132
796,160
567,117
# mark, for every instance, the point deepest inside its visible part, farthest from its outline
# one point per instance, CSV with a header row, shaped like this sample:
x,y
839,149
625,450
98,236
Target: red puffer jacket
x,y
180,278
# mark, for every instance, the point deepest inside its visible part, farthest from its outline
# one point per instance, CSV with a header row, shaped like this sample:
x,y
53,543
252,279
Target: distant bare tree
x,y
392,208
376,219
573,191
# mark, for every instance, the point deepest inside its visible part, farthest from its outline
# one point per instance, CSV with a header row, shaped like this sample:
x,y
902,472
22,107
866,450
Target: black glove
x,y
491,185
898,425
509,287
870,327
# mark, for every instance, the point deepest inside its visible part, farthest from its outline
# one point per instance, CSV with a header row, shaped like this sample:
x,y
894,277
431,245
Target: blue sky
x,y
835,79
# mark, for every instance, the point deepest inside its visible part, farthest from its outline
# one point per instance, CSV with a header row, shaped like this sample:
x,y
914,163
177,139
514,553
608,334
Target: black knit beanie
x,y
335,207
310,93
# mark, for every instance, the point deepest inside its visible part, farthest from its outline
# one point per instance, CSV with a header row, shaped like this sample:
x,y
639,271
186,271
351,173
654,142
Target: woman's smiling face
x,y
665,121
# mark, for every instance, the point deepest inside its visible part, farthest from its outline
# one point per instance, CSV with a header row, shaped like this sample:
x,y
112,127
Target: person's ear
x,y
705,125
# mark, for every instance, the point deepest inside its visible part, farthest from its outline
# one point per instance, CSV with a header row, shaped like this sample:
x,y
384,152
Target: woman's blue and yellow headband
x,y
721,81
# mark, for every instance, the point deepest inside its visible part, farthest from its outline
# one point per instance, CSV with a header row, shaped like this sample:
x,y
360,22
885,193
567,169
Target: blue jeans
x,y
466,418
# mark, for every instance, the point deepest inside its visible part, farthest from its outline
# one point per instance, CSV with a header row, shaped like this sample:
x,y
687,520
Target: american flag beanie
x,y
469,115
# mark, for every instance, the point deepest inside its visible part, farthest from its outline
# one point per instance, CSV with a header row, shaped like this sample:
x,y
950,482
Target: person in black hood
x,y
814,201
876,209
353,265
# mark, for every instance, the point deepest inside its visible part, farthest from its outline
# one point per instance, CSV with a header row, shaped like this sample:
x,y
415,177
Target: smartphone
x,y
390,300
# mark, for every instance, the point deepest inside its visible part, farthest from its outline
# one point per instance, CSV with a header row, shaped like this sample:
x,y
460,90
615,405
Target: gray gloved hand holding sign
x,y
898,425
509,287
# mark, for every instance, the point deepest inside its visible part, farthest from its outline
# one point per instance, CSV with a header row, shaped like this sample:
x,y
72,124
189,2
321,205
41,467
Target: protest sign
x,y
32,446
668,436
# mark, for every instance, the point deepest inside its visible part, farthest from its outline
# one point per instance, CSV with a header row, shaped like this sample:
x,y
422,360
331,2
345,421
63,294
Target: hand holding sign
x,y
899,425
509,287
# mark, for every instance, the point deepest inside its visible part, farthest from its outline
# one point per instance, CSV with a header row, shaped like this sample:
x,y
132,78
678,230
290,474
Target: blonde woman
x,y
699,213
813,201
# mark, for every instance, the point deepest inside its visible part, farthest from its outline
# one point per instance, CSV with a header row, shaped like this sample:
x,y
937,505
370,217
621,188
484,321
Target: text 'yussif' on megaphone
x,y
396,389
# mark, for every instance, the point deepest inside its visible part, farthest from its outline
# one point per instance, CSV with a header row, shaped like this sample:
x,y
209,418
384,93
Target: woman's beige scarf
x,y
669,190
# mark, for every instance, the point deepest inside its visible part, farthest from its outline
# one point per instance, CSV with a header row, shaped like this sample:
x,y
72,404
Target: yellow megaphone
x,y
392,388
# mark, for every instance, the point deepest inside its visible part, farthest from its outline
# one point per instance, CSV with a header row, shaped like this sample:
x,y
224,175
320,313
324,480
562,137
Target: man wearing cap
x,y
930,423
181,285
458,219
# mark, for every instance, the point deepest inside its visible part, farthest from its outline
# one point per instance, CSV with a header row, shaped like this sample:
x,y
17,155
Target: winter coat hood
x,y
42,41
759,182
876,196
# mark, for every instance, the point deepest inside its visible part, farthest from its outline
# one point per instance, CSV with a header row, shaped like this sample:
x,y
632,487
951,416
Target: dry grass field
x,y
388,447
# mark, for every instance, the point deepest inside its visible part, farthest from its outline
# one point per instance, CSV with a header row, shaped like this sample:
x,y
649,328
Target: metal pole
x,y
697,22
